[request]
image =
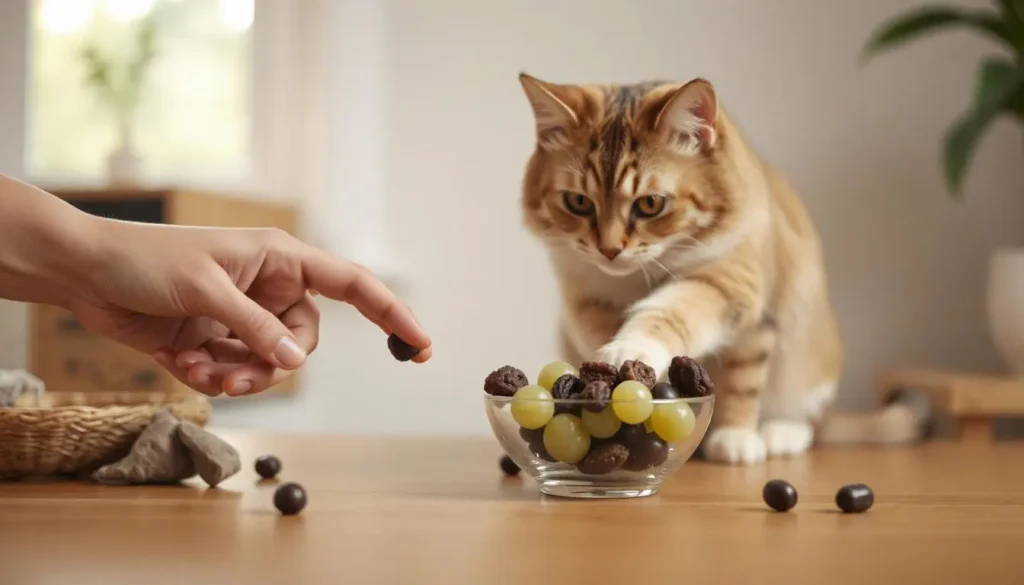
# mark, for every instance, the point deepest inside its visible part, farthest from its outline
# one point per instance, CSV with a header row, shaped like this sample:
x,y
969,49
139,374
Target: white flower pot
x,y
124,166
1006,305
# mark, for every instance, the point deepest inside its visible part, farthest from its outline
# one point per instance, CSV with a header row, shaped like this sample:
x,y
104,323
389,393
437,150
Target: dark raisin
x,y
566,387
664,391
779,494
594,371
531,435
290,498
631,434
648,452
268,466
604,458
597,393
855,498
537,448
402,351
505,381
639,371
508,466
690,378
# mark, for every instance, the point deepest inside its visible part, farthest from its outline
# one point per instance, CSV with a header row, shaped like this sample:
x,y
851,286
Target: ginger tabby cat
x,y
670,236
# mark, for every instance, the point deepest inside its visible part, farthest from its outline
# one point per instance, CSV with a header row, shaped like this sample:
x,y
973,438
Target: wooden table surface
x,y
426,511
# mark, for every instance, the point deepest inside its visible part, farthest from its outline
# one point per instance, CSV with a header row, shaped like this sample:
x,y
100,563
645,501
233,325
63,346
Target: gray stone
x,y
214,458
158,456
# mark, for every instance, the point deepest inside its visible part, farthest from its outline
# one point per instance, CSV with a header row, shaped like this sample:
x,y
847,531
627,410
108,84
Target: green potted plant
x,y
119,84
998,93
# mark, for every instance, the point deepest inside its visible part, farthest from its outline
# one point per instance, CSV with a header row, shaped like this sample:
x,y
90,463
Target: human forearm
x,y
46,245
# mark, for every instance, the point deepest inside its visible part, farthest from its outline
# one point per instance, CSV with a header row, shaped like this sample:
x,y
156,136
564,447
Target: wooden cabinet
x,y
69,358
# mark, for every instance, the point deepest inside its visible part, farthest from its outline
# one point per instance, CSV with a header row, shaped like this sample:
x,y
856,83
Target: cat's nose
x,y
610,253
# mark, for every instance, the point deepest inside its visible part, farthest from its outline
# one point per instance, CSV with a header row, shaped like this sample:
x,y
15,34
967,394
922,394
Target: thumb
x,y
255,326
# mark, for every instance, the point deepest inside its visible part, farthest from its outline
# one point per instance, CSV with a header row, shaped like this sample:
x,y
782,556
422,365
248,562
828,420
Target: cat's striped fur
x,y
670,236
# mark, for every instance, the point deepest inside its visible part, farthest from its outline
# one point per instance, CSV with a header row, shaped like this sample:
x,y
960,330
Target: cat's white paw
x,y
734,445
787,437
646,350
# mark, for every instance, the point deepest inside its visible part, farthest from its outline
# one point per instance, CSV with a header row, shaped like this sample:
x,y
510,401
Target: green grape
x,y
648,426
554,371
532,406
601,425
673,422
566,438
631,401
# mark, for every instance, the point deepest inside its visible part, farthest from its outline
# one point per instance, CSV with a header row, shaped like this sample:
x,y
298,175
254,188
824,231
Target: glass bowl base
x,y
595,489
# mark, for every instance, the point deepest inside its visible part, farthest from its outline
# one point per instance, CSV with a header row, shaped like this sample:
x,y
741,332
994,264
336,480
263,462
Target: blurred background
x,y
397,132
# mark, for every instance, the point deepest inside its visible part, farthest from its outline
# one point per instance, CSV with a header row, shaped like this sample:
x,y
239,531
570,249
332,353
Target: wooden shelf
x,y
973,400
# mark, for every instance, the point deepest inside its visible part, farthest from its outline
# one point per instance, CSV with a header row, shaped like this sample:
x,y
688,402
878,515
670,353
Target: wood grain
x,y
428,511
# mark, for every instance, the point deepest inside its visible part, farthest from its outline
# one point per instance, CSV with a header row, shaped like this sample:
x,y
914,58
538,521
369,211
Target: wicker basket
x,y
73,433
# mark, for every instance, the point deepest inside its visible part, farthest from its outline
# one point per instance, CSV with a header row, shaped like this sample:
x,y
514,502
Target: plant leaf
x,y
1013,10
915,23
998,88
994,74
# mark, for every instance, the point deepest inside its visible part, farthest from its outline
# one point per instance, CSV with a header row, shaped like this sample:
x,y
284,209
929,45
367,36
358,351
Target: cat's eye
x,y
578,203
649,206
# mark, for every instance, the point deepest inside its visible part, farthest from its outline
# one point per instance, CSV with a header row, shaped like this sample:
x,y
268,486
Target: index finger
x,y
344,281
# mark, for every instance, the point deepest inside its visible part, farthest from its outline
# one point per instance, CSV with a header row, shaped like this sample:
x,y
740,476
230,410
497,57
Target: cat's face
x,y
623,175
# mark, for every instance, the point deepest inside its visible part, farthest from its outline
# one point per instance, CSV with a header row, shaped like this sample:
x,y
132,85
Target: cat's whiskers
x,y
691,243
647,278
665,268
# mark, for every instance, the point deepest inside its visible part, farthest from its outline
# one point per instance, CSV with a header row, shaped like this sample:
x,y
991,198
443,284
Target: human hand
x,y
224,309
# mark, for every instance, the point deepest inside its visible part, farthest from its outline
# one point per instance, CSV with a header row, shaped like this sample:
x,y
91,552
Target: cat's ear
x,y
554,117
688,118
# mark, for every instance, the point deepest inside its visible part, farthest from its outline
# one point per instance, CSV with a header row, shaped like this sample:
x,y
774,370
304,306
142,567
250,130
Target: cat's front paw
x,y
787,437
645,350
736,445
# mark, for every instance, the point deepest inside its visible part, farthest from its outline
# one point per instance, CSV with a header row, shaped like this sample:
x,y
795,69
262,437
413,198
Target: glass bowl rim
x,y
583,401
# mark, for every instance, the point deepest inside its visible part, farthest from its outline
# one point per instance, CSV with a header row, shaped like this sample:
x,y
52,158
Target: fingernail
x,y
288,353
240,387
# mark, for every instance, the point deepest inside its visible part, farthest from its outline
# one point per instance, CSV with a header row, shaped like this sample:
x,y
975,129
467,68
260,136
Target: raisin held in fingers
x,y
402,351
566,387
639,371
690,378
599,393
594,371
505,381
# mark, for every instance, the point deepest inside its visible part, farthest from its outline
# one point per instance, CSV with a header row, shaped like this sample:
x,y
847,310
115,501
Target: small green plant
x,y
120,87
999,85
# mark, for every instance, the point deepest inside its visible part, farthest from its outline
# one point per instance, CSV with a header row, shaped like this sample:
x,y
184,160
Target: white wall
x,y
13,71
861,144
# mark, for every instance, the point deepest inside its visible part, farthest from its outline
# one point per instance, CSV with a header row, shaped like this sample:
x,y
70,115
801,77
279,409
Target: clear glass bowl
x,y
650,461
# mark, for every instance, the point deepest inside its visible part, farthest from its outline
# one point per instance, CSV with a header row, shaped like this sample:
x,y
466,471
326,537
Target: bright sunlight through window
x,y
189,117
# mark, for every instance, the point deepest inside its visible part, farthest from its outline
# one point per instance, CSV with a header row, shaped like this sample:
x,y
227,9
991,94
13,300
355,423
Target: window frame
x,y
272,143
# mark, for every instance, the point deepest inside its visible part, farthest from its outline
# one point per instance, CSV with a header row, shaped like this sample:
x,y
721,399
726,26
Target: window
x,y
194,111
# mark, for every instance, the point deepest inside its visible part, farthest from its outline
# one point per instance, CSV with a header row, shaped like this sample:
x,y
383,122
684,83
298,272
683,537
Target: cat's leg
x,y
804,377
792,433
694,317
740,374
587,325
